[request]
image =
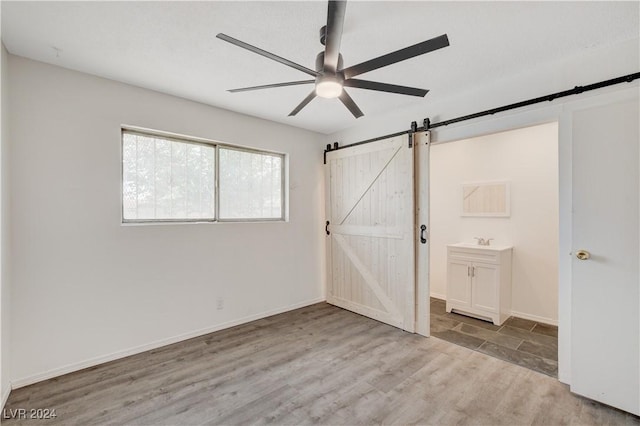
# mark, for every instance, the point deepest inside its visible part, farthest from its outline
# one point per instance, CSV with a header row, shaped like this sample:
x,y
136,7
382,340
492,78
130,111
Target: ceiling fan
x,y
330,77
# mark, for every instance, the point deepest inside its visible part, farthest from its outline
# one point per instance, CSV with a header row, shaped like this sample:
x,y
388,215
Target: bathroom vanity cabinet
x,y
479,281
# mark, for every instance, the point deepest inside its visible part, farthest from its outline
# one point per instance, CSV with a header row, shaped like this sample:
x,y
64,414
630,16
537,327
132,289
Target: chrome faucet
x,y
483,242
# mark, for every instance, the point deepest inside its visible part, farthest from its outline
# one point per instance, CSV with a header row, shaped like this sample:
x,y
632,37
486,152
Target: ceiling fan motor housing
x,y
328,85
320,63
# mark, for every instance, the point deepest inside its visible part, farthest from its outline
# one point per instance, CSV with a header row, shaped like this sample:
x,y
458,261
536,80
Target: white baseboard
x,y
535,318
5,395
439,296
29,380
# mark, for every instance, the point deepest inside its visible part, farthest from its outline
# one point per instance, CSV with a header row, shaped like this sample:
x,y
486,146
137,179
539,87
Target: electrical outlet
x,y
220,304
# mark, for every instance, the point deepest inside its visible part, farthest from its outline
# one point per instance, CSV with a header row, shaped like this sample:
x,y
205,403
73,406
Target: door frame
x,y
422,145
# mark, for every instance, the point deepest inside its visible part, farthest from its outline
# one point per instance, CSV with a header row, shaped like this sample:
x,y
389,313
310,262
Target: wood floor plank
x,y
314,365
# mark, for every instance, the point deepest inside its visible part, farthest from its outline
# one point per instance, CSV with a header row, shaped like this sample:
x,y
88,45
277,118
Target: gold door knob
x,y
583,254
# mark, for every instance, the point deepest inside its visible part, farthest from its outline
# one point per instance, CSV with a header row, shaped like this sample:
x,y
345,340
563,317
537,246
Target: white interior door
x,y
370,248
605,327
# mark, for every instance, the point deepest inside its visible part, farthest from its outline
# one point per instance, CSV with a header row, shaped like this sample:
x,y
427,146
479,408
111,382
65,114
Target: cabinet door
x,y
484,287
459,282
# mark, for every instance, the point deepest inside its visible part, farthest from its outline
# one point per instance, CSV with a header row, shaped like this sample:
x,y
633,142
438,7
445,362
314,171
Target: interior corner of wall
x,y
4,394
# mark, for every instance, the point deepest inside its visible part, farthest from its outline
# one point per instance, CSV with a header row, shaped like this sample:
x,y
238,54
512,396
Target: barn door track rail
x,y
427,125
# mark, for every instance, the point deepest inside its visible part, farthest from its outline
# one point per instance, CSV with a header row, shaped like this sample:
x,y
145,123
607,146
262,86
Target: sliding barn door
x,y
370,249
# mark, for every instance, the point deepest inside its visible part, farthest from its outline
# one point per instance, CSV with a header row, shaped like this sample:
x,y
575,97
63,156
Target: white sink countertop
x,y
497,247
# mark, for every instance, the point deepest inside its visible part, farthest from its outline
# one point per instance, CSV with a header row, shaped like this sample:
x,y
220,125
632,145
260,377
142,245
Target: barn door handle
x,y
423,228
326,228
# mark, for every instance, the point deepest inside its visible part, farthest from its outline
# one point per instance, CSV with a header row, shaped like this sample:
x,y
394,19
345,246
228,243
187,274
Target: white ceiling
x,y
171,46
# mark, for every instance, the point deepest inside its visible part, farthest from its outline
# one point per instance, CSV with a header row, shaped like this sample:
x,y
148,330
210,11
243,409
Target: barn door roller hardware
x,y
335,146
404,132
414,128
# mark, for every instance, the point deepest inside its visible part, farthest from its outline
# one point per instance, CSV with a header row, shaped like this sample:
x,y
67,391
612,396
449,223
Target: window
x,y
167,179
250,184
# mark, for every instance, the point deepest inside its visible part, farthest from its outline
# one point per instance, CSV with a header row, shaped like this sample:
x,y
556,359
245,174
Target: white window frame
x,y
172,137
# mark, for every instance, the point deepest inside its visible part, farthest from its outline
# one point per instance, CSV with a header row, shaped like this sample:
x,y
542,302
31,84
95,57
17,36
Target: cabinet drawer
x,y
474,255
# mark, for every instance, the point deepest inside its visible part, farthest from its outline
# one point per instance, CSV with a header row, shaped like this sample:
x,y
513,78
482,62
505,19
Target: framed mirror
x,y
486,199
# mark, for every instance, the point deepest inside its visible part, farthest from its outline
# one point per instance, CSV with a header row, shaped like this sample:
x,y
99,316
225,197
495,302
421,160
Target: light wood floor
x,y
318,364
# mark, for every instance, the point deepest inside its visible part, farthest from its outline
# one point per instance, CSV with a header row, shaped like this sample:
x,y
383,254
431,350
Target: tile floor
x,y
523,342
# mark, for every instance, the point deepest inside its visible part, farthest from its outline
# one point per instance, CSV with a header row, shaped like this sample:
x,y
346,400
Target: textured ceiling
x,y
171,46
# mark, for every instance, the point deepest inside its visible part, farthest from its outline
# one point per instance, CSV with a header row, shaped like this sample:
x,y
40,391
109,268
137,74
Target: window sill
x,y
202,222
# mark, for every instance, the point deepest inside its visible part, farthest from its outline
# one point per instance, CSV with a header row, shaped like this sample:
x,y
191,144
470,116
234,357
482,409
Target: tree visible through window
x,y
166,179
250,185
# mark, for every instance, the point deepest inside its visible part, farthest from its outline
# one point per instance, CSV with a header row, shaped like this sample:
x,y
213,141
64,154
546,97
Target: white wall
x,y
528,159
85,288
5,296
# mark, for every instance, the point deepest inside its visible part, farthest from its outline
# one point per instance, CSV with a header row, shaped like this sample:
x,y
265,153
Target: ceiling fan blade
x,y
266,54
269,86
304,103
397,56
384,87
335,22
350,104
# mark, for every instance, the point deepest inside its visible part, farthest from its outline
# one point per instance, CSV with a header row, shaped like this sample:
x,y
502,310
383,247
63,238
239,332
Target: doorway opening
x,y
500,299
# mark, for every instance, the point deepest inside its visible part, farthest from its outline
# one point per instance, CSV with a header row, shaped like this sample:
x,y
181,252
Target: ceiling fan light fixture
x,y
328,88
